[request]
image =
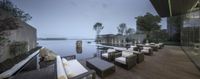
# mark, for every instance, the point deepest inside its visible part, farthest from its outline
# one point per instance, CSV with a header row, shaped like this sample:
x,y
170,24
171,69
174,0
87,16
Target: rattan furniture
x,y
109,55
71,69
102,68
127,60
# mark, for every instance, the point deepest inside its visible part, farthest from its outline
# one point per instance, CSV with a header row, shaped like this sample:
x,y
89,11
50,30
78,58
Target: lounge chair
x,y
72,69
140,55
161,45
127,60
135,48
109,55
147,50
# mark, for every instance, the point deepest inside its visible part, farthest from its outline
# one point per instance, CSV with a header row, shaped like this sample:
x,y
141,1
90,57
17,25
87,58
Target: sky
x,y
75,18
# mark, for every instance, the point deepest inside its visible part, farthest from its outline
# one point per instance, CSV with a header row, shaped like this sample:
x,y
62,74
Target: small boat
x,y
89,42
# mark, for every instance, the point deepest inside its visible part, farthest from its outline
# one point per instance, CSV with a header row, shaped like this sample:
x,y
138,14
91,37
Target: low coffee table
x,y
102,68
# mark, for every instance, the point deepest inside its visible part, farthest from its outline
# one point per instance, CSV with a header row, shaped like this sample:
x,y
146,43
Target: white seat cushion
x,y
157,45
147,44
130,49
60,69
126,53
145,51
133,46
146,48
74,68
111,50
105,55
121,60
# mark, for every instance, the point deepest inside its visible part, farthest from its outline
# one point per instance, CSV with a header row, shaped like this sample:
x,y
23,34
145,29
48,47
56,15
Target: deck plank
x,y
168,63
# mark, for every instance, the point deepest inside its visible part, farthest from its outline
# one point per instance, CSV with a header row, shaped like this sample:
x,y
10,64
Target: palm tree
x,y
98,27
122,28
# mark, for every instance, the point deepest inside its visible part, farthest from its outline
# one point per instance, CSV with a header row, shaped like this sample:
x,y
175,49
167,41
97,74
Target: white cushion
x,y
126,53
74,68
160,43
121,60
157,45
130,49
146,48
145,51
60,69
152,43
105,55
65,62
111,50
147,44
133,46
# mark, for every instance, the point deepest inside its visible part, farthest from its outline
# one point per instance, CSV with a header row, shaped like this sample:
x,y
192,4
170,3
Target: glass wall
x,y
190,35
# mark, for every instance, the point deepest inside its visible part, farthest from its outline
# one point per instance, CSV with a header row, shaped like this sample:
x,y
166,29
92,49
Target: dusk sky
x,y
75,18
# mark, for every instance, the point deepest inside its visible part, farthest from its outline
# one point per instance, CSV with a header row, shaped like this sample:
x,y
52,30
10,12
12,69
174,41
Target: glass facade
x,y
190,35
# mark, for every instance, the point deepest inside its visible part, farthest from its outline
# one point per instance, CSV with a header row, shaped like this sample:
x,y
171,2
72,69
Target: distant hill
x,y
52,38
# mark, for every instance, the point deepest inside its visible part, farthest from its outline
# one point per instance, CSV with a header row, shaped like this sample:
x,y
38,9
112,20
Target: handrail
x,y
17,67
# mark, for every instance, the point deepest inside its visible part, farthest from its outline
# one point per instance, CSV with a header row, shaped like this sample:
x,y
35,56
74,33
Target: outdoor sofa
x,y
72,69
147,50
110,54
140,55
126,60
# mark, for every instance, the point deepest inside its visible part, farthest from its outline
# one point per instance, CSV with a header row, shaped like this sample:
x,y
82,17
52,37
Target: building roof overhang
x,y
167,8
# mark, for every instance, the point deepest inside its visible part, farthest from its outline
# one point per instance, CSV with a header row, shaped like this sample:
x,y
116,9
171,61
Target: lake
x,y
68,47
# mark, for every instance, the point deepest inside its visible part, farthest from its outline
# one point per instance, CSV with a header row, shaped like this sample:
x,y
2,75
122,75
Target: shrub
x,y
17,48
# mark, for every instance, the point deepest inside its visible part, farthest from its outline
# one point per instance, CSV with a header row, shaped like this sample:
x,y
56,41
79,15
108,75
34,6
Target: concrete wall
x,y
26,33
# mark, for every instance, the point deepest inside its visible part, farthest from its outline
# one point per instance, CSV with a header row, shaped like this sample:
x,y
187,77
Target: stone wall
x,y
26,33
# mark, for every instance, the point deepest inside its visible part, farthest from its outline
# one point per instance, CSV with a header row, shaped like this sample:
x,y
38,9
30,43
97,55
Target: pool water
x,y
68,47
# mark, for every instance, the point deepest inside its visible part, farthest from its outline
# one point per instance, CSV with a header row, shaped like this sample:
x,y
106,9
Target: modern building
x,y
111,39
189,11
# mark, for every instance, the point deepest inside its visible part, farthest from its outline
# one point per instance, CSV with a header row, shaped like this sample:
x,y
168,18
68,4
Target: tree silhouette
x,y
122,28
148,23
98,27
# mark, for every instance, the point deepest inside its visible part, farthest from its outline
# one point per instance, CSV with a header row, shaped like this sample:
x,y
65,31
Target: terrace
x,y
141,53
168,63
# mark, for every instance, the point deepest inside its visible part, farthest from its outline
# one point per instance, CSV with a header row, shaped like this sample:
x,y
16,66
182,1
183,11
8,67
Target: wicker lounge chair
x,y
140,55
147,50
135,48
110,54
71,69
161,45
127,60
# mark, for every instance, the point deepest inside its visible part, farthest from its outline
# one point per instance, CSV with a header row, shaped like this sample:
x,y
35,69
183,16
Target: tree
x,y
14,11
98,27
176,22
6,24
122,28
130,31
148,23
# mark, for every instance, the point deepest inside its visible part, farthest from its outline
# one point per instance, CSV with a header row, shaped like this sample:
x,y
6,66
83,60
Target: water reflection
x,y
79,47
78,50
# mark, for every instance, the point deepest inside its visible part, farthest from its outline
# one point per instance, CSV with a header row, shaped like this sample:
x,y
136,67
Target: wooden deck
x,y
168,63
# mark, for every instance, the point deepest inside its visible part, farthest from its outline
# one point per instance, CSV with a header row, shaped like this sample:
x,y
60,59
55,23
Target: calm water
x,y
68,47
